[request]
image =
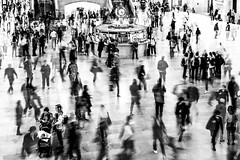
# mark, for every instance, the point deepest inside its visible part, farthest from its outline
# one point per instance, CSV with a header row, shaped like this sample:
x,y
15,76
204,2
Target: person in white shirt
x,y
103,114
53,36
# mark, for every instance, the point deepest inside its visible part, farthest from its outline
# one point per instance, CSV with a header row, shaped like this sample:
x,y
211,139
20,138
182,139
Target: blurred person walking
x,y
159,132
10,72
114,78
135,96
214,125
127,136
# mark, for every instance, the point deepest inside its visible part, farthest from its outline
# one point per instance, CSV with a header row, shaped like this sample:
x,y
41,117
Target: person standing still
x,y
216,29
100,48
135,49
19,114
198,33
45,70
10,72
233,89
53,36
162,66
42,40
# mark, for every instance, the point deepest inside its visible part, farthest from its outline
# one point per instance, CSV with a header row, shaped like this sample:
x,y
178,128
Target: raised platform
x,y
125,50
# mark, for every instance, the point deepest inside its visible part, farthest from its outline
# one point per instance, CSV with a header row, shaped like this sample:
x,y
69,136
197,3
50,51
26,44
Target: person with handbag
x,y
214,125
231,120
104,115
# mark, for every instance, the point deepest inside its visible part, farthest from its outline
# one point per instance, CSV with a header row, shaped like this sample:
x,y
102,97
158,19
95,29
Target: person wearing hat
x,y
30,141
215,123
45,70
10,72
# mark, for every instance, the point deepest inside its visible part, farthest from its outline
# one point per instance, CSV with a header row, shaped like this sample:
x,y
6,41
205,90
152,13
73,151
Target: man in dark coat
x,y
100,48
114,78
42,40
30,141
45,70
158,91
19,113
219,61
233,89
10,72
134,90
159,131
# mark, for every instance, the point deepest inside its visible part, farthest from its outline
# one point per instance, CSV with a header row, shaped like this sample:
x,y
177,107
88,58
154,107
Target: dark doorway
x,y
235,5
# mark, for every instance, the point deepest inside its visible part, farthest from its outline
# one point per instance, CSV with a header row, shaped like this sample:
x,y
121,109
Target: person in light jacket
x,y
162,66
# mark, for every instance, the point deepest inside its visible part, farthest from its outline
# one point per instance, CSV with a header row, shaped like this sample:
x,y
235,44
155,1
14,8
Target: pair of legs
x,y
41,49
73,146
135,54
44,79
184,72
134,100
117,84
143,81
159,109
161,146
213,140
231,131
162,75
10,89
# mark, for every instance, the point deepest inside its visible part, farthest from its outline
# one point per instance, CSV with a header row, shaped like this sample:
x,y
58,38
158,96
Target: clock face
x,y
121,12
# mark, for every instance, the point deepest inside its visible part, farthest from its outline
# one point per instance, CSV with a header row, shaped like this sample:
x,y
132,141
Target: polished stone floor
x,y
197,138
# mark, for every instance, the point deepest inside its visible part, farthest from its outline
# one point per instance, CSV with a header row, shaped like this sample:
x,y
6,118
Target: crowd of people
x,y
60,134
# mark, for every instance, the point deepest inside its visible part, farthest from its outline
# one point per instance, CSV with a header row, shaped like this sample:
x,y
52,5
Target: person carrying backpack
x,y
214,125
